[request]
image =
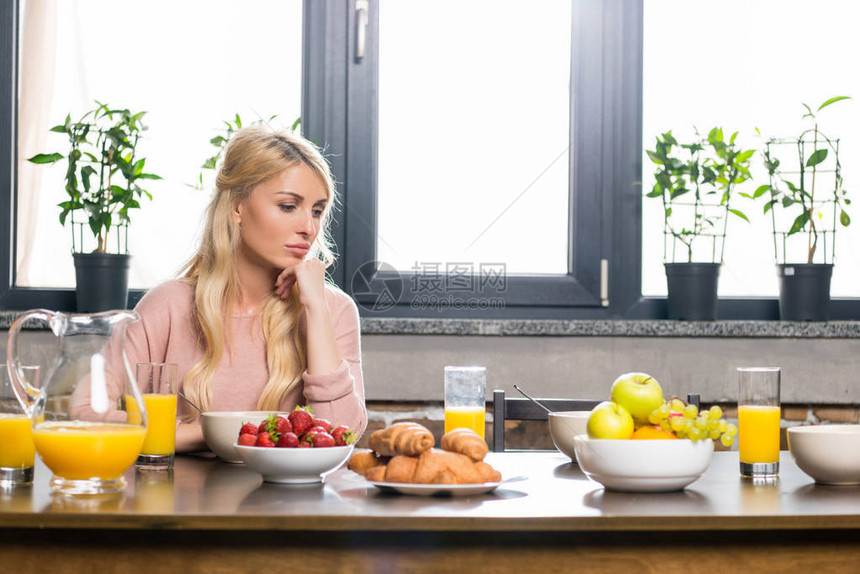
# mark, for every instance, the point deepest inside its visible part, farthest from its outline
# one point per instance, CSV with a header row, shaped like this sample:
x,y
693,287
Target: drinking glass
x,y
465,406
157,383
758,421
17,451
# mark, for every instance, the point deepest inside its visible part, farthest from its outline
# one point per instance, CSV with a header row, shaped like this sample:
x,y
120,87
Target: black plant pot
x,y
102,281
692,290
804,291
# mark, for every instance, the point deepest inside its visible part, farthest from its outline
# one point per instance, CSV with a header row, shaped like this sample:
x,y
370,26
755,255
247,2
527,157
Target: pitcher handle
x,y
24,392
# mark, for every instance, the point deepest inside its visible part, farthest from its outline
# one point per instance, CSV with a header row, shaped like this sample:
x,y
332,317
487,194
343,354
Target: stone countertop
x,y
591,328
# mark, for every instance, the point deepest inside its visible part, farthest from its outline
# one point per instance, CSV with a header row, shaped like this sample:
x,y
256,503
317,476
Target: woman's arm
x,y
334,386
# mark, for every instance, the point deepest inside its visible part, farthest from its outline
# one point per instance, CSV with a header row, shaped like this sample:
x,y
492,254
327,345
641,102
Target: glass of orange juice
x,y
465,391
17,451
157,383
758,421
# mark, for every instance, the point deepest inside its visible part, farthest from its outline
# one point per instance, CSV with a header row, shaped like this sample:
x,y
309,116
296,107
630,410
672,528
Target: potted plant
x,y
696,182
102,182
805,202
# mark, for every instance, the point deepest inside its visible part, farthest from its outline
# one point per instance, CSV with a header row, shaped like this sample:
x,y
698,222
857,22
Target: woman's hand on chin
x,y
309,276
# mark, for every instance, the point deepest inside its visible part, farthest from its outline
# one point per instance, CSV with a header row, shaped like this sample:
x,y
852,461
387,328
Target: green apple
x,y
610,420
639,393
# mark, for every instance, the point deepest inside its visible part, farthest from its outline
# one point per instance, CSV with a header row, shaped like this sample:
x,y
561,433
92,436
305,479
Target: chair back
x,y
519,408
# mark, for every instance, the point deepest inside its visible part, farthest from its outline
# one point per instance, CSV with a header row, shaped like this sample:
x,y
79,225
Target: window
x,y
596,276
744,73
210,61
475,135
360,60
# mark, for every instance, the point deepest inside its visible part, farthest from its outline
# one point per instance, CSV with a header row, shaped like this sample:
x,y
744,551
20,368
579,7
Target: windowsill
x,y
609,328
590,328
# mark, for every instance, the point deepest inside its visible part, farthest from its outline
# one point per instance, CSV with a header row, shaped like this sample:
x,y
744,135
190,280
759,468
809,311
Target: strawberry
x,y
262,426
324,423
288,440
308,437
263,439
343,436
282,425
248,439
304,445
301,419
323,439
249,428
315,429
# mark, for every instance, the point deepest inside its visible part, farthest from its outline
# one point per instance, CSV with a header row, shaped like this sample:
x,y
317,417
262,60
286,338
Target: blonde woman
x,y
252,322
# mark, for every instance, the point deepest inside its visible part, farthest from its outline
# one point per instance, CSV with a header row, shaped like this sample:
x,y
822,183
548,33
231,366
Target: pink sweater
x,y
165,334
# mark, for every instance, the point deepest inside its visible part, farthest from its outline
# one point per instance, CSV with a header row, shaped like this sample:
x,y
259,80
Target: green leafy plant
x,y
696,183
795,191
220,142
103,173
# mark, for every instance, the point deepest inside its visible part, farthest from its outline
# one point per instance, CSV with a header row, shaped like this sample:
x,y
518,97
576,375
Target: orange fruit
x,y
652,432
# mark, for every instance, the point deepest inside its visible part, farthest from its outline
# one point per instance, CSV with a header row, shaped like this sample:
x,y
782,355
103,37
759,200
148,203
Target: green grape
x,y
723,425
690,412
701,422
727,440
665,426
714,434
677,405
654,418
681,433
694,433
715,413
677,424
731,430
664,410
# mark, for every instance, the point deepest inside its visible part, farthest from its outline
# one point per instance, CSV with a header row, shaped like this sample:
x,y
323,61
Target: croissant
x,y
465,441
401,468
434,467
402,438
363,460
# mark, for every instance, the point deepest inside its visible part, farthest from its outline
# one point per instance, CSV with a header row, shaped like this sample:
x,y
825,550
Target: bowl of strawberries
x,y
220,430
294,448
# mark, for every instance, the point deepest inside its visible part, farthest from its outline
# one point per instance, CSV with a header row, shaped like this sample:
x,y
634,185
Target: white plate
x,y
436,489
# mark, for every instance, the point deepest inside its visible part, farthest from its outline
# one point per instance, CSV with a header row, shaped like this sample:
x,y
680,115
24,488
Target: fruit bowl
x,y
221,429
293,465
643,465
563,426
828,453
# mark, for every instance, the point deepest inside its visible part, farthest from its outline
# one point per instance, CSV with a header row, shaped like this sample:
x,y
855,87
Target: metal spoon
x,y
523,393
187,400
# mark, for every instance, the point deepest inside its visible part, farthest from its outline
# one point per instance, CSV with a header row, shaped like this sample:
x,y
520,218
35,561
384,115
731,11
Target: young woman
x,y
252,322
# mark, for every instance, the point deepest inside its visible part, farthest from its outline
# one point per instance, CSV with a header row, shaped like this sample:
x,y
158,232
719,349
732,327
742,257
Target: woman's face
x,y
281,218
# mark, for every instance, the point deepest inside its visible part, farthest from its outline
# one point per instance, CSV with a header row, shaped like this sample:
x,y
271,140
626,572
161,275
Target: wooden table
x,y
209,516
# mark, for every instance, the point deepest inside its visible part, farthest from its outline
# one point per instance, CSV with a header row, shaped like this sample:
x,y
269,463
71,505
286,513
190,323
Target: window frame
x,y
339,112
605,107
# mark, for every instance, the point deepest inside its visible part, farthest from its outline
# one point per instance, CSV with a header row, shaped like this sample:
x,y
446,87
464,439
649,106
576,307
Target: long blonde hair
x,y
252,156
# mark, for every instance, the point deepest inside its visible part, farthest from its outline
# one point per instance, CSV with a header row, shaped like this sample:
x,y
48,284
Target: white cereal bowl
x,y
828,453
221,430
643,465
293,465
564,425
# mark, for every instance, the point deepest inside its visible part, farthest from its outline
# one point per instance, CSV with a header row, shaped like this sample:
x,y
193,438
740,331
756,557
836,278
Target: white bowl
x,y
221,430
564,425
293,465
828,453
643,465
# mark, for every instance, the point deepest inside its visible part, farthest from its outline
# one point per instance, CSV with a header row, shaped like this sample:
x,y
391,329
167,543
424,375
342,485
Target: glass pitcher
x,y
88,418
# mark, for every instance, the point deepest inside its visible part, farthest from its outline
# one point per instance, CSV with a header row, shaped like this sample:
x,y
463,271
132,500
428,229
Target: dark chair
x,y
518,408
